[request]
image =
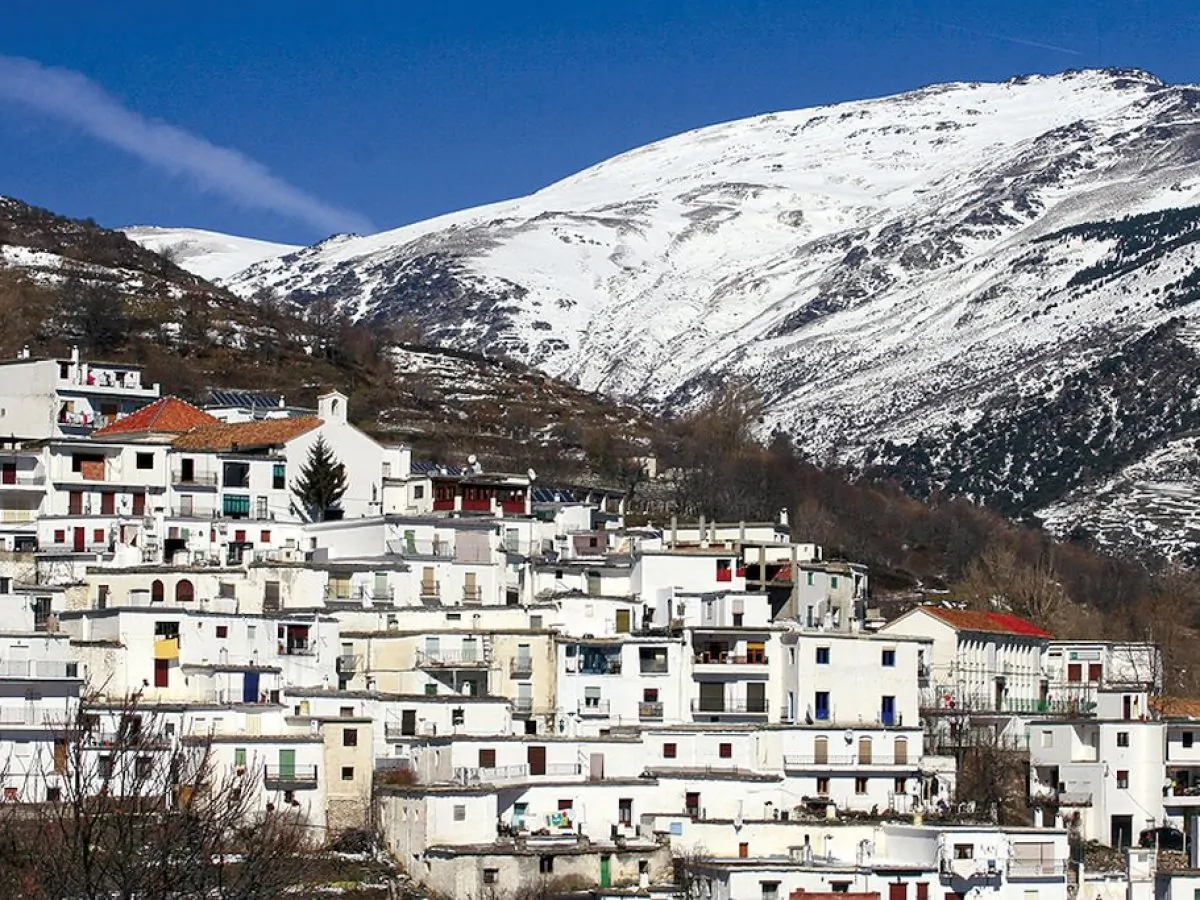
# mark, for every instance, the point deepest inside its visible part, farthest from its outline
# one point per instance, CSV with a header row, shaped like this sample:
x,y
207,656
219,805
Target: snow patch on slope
x,y
210,255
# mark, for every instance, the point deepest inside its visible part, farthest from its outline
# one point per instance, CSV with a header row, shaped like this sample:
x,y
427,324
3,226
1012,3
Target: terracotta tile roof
x,y
989,622
1176,707
246,435
169,415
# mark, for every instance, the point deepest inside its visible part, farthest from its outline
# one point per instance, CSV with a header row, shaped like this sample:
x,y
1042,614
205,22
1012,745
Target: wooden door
x,y
622,621
536,757
596,767
864,750
80,540
898,891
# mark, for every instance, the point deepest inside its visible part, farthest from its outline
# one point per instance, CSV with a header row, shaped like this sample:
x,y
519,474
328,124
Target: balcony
x,y
1183,795
520,667
1045,868
729,663
730,707
290,778
451,659
523,706
348,663
594,709
801,762
181,479
39,668
23,482
472,596
431,591
358,592
651,712
467,775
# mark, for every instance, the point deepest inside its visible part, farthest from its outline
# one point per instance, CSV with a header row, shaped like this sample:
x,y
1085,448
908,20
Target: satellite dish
x,y
532,475
472,459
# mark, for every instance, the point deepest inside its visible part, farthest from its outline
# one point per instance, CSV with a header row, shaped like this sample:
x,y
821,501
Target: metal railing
x,y
290,778
523,705
848,760
472,595
348,663
650,710
730,706
594,708
490,774
451,659
731,659
520,667
199,479
22,480
431,590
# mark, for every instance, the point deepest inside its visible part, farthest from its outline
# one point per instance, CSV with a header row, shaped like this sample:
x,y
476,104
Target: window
x,y
222,631
1047,739
460,812
964,851
1095,671
237,474
839,887
625,811
60,536
143,766
264,537
236,506
279,477
349,737
821,704
725,751
98,535
419,492
823,785
860,785
1186,738
347,773
888,658
822,656
104,767
724,570
53,794
922,890
145,460
546,864
900,786
770,890
833,582
670,751
591,697
457,716
1074,672
1123,778
239,757
491,876
184,592
1122,738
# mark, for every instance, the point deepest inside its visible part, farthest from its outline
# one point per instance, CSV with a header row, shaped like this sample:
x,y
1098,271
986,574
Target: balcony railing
x,y
728,659
452,659
1040,869
193,479
520,667
737,706
348,663
22,479
290,778
849,760
490,774
597,708
431,590
523,706
38,668
472,595
650,711
358,592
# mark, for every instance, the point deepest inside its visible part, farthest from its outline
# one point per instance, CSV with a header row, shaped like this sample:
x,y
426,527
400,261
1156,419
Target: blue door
x,y
887,711
250,688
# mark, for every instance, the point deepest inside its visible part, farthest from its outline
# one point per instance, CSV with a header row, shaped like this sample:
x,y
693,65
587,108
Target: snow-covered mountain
x,y
987,287
209,254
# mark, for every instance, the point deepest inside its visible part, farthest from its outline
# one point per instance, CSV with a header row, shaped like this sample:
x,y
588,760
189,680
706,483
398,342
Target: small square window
x,y
347,773
900,786
222,631
670,751
264,537
97,535
888,658
860,785
725,751
491,876
60,536
53,794
822,656
145,460
346,712
1187,738
964,851
1122,738
546,865
419,492
823,785
1123,778
349,737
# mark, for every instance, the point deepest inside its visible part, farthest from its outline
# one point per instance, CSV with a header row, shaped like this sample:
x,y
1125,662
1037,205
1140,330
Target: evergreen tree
x,y
322,481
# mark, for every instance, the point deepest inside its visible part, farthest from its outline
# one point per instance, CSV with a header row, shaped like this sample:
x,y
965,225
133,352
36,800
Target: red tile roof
x,y
989,622
169,415
223,437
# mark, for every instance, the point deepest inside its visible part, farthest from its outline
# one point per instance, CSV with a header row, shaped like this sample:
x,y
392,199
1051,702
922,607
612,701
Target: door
x,y
887,711
186,505
79,543
821,750
75,503
864,751
139,504
1122,831
471,592
605,870
108,503
622,621
381,590
408,722
596,767
901,751
712,696
518,816
8,473
536,757
1126,708
756,697
898,891
470,650
287,763
250,688
187,470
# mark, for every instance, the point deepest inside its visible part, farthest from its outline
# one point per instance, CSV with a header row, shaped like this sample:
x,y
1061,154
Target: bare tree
x,y
134,812
998,577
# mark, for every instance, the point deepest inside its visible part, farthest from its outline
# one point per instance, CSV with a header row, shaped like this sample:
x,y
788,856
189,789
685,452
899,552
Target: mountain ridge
x,y
889,273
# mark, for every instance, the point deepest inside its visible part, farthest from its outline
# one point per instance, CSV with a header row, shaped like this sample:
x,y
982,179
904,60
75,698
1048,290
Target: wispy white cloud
x,y
1009,39
73,98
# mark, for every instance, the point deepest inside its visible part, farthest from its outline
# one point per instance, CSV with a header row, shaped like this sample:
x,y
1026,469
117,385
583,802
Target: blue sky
x,y
380,114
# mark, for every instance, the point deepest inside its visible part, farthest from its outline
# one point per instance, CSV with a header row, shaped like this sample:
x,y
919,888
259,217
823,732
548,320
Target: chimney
x,y
281,403
703,533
